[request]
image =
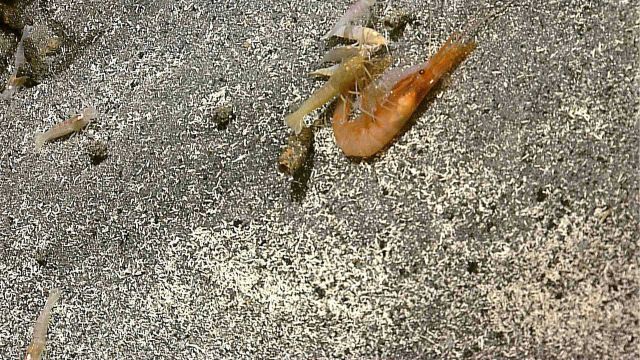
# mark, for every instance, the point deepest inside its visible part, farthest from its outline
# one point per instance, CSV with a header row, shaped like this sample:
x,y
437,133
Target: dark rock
x,y
97,151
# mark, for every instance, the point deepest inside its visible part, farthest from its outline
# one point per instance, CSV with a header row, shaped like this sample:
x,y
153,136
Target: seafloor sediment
x,y
504,223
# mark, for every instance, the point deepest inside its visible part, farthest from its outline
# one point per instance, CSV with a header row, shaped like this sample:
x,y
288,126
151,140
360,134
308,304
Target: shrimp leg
x,y
368,134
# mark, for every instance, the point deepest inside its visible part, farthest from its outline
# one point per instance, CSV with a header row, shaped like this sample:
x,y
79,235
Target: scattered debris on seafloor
x,y
222,116
213,112
295,153
97,151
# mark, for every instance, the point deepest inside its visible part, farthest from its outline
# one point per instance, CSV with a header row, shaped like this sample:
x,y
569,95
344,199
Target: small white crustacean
x,y
358,10
39,337
15,82
75,123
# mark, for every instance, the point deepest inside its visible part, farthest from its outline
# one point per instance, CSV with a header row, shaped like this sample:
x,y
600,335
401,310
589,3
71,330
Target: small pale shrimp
x,y
357,10
342,79
363,35
39,337
75,123
384,113
15,82
346,28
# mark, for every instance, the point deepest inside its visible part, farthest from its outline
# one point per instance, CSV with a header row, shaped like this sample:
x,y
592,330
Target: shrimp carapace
x,y
387,104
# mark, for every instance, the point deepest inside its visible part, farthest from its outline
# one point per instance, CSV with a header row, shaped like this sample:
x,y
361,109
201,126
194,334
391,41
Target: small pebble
x,y
222,116
97,151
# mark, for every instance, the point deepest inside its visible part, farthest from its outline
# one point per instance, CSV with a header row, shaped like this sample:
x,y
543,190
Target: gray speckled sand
x,y
503,224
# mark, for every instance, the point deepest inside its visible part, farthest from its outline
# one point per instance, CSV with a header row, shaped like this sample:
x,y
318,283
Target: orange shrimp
x,y
384,113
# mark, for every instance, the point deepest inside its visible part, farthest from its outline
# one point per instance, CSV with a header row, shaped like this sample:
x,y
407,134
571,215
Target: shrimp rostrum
x,y
387,104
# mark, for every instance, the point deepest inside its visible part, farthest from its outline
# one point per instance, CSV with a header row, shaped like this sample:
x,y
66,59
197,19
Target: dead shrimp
x,y
388,103
342,79
352,69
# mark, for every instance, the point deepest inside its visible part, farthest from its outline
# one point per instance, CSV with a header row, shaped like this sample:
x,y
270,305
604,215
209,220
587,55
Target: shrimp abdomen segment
x,y
317,99
369,133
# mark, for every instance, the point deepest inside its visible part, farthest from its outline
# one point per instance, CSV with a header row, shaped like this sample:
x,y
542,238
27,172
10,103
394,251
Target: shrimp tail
x,y
8,92
54,296
39,337
40,138
318,98
295,121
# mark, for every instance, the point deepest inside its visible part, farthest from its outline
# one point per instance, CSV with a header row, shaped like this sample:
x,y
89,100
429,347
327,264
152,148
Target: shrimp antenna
x,y
385,10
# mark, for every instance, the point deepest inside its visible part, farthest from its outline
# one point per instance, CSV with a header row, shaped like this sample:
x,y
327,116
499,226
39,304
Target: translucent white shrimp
x,y
346,27
75,123
20,58
358,10
39,337
15,82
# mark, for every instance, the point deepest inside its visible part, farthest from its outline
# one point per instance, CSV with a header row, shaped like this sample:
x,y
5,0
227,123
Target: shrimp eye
x,y
421,71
